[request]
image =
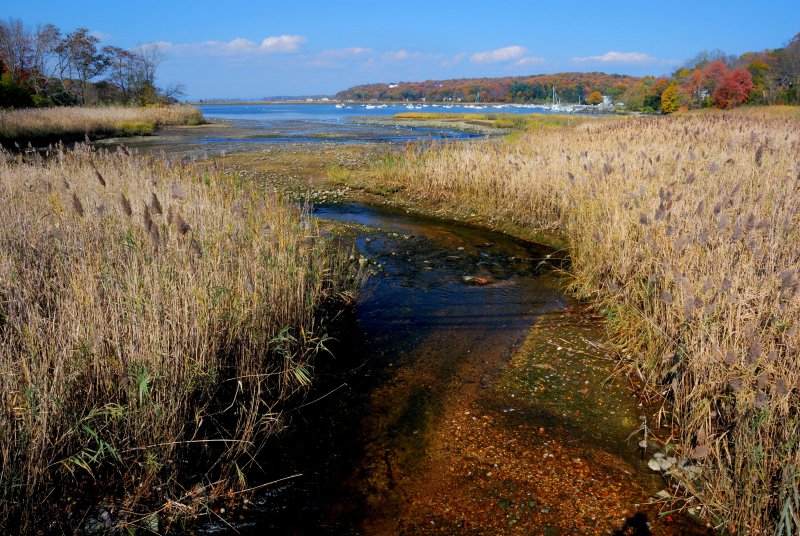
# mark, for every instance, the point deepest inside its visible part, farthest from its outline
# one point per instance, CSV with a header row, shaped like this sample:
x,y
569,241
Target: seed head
x,y
155,204
126,205
77,205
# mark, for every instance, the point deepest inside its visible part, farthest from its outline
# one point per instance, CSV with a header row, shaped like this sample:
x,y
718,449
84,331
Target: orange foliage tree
x,y
595,97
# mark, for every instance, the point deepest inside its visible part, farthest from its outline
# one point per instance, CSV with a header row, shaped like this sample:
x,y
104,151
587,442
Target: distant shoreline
x,y
437,103
480,107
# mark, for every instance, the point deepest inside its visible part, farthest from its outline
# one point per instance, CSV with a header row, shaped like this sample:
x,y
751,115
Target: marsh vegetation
x,y
153,318
40,126
684,232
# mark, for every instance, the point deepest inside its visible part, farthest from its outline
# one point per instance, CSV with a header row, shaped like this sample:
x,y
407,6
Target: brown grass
x,y
152,319
686,231
43,124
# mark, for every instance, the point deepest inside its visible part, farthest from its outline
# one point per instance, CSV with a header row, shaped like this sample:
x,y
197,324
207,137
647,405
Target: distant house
x,y
392,86
607,100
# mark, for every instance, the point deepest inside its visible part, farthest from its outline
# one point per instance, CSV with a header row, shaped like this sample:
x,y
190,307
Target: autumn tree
x,y
712,76
595,97
733,89
27,55
690,82
670,101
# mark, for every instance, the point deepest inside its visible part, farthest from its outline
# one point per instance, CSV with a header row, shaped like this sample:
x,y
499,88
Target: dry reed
x,y
77,122
146,311
686,231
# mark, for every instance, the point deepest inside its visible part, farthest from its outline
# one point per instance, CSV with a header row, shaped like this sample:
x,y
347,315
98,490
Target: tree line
x,y
43,66
709,79
724,81
571,87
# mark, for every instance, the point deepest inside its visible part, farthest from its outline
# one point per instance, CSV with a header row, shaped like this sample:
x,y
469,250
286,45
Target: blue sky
x,y
250,49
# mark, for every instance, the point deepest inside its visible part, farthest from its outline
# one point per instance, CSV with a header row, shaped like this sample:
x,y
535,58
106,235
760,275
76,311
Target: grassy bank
x,y
483,123
152,320
40,126
685,231
495,120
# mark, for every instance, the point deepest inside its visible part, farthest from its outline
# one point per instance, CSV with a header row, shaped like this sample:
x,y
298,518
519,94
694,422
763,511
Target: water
x,y
341,123
251,127
426,422
268,114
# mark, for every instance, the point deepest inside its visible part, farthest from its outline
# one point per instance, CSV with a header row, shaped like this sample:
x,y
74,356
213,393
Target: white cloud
x,y
235,47
455,60
346,52
282,43
400,55
619,57
499,55
164,45
102,36
529,60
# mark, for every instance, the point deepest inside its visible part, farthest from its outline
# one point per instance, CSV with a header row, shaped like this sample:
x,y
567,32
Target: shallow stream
x,y
442,411
466,394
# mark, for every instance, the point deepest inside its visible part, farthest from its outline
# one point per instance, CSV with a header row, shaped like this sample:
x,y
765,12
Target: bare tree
x,y
704,57
134,73
123,71
45,41
150,58
789,67
173,91
79,62
15,47
27,53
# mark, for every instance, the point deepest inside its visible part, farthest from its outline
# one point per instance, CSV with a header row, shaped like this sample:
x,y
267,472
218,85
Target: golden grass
x,y
148,314
686,231
513,122
39,124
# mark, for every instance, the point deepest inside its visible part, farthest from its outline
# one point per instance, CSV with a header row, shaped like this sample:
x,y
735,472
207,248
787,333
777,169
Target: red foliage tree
x,y
733,89
713,74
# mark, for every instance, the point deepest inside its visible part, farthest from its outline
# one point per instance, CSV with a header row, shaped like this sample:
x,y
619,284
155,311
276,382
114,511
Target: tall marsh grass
x,y
52,124
152,319
686,231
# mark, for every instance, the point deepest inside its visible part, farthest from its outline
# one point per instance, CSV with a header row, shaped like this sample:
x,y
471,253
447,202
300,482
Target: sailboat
x,y
556,105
